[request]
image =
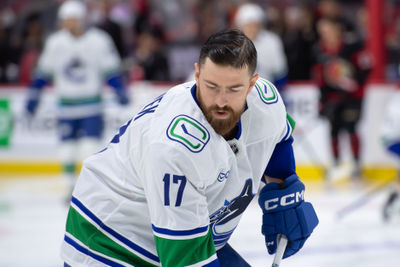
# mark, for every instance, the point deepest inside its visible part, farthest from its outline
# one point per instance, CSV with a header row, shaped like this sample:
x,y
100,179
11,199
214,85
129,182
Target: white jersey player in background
x,y
272,63
391,139
78,61
172,185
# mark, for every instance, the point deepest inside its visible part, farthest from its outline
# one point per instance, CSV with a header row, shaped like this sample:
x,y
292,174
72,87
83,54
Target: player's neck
x,y
231,134
76,32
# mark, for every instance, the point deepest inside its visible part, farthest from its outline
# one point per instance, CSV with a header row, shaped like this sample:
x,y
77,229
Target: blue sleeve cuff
x,y
35,89
116,82
39,82
395,148
282,163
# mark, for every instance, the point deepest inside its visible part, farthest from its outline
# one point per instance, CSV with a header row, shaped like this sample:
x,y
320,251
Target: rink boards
x,y
32,147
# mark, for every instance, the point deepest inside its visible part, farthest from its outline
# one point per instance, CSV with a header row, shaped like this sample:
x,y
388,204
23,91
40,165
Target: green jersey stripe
x,y
80,101
291,121
94,239
195,250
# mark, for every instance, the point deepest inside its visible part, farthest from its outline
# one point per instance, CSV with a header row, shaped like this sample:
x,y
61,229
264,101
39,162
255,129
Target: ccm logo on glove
x,y
285,212
285,200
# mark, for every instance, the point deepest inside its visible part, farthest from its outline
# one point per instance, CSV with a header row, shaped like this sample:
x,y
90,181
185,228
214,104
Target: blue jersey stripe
x,y
113,233
180,232
91,254
214,263
288,131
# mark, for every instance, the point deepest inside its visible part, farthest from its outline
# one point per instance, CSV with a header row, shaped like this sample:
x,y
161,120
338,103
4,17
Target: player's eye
x,y
235,89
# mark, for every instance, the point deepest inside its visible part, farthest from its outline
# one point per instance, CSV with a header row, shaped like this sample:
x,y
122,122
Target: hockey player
x,y
172,185
77,61
341,71
391,140
271,65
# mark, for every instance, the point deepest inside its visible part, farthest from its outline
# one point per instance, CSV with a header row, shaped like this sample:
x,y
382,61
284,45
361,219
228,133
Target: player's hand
x,y
285,212
31,106
123,98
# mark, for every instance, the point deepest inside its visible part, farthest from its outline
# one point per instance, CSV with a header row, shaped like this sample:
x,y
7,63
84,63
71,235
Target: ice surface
x,y
32,219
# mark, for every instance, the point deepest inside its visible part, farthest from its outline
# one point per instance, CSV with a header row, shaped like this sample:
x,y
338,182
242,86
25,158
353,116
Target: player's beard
x,y
221,126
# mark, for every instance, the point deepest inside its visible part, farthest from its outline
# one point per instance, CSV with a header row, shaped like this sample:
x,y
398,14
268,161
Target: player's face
x,y
221,92
330,33
252,29
73,25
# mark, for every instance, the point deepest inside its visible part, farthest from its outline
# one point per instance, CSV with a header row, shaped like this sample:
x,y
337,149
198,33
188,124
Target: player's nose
x,y
221,99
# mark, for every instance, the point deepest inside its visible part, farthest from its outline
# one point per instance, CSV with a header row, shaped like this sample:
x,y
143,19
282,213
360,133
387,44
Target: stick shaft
x,y
361,200
282,243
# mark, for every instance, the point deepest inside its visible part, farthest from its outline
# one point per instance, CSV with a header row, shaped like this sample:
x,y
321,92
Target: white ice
x,y
32,219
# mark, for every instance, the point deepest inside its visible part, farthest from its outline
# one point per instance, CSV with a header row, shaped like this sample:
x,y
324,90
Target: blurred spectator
x,y
213,16
392,42
150,61
10,44
332,9
275,21
341,71
4,47
271,63
186,24
32,44
106,23
78,61
299,37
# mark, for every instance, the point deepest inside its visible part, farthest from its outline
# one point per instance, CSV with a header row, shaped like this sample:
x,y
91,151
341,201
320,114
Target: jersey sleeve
x,y
178,210
280,65
282,162
45,66
110,60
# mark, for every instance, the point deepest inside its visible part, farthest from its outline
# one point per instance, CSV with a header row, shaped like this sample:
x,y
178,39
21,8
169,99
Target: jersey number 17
x,y
180,182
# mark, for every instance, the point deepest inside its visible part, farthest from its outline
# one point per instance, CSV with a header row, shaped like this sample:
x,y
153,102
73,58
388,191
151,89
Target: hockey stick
x,y
361,201
282,243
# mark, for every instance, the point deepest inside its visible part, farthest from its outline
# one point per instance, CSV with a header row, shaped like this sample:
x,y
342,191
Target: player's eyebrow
x,y
211,83
231,86
236,86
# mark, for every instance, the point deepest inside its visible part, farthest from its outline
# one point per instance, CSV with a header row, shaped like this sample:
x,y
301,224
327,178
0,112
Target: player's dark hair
x,y
230,48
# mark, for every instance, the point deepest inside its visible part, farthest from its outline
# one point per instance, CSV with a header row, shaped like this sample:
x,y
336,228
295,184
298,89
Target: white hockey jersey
x,y
78,67
168,190
390,131
271,63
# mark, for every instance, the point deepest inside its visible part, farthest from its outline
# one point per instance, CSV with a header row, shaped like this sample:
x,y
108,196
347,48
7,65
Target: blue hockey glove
x,y
116,81
34,92
285,212
123,99
31,106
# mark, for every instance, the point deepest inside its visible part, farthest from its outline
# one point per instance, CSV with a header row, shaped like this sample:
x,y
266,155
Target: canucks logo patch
x,y
266,91
189,132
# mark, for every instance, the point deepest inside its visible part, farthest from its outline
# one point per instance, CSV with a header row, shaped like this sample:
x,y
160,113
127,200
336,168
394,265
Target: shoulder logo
x,y
266,91
189,132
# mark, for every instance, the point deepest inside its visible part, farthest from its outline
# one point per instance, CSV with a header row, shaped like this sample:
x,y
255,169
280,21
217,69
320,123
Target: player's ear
x,y
196,72
253,81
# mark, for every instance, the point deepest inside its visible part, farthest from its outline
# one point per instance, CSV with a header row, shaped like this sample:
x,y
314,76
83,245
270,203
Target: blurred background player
x,y
271,64
77,61
391,139
341,71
